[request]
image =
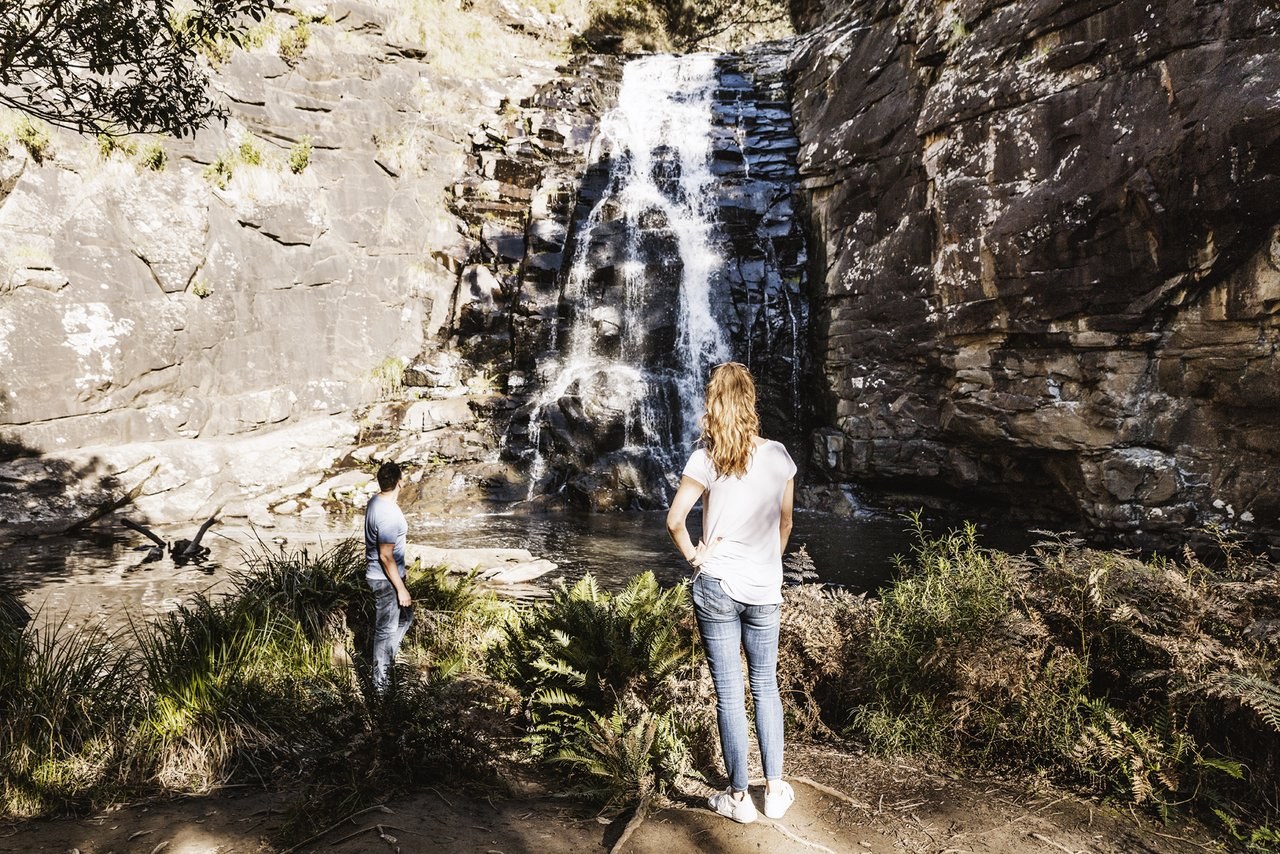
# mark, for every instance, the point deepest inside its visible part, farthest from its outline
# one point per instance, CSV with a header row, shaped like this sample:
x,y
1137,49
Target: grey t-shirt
x,y
740,517
383,523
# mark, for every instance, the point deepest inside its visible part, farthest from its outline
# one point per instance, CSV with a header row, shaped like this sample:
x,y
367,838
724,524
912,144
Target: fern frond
x,y
1258,694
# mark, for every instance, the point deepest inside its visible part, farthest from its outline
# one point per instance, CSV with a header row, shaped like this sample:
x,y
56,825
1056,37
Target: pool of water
x,y
104,575
616,546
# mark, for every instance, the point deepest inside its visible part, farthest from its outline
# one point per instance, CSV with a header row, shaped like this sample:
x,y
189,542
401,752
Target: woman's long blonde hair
x,y
730,422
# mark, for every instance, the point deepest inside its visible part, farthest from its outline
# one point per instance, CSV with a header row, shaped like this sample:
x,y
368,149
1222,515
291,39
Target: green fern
x,y
581,661
630,753
1257,694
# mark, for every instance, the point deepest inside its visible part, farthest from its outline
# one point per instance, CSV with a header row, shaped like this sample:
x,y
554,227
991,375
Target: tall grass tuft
x,y
229,688
456,622
248,686
248,682
13,616
313,590
65,707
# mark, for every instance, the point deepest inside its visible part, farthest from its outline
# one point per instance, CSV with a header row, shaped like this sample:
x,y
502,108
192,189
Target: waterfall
x,y
640,330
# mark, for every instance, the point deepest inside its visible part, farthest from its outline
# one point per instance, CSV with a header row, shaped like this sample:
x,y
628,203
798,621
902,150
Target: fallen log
x,y
145,531
109,507
181,551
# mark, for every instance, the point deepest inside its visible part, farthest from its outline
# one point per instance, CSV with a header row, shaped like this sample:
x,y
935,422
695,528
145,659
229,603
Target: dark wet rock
x,y
1044,251
528,187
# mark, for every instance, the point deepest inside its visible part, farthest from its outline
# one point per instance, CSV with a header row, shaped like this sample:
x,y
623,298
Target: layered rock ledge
x,y
1046,255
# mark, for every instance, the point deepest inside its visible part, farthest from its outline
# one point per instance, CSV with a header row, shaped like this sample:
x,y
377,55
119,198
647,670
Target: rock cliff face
x,y
278,271
1046,254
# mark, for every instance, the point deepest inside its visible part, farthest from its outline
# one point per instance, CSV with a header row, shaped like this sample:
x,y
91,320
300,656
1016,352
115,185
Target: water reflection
x,y
102,575
616,546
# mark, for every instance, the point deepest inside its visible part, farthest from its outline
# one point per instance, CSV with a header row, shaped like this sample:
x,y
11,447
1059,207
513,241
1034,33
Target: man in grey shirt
x,y
385,532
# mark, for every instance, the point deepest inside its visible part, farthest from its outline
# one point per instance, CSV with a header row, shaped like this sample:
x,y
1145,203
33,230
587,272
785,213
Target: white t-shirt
x,y
745,511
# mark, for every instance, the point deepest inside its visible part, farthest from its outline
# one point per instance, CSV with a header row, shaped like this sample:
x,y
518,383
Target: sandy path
x,y
846,804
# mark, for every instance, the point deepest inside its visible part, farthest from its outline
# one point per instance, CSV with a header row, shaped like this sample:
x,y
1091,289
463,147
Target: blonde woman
x,y
747,484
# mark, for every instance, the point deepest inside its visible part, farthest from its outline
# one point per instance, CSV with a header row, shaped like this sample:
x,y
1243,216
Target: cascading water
x,y
640,328
677,249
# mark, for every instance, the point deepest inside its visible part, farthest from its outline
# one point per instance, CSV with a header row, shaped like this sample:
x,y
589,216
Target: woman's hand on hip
x,y
703,551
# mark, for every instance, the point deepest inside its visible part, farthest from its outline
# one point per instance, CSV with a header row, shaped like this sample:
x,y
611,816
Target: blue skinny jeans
x,y
390,623
728,627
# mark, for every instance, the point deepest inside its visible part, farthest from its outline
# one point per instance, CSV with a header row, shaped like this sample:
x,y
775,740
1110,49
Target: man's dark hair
x,y
388,475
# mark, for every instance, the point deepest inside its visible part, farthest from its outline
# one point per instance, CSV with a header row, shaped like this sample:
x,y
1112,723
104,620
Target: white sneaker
x,y
776,804
742,811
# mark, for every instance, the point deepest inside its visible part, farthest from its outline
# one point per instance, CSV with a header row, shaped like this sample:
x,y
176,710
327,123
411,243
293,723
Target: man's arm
x,y
387,557
784,522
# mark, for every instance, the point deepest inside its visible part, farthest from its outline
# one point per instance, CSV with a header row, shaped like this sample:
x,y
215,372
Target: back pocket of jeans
x,y
710,598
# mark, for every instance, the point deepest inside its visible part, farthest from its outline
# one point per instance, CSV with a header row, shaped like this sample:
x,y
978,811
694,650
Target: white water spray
x,y
658,143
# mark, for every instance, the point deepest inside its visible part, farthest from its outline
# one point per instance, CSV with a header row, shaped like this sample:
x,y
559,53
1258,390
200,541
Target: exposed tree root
x,y
782,828
383,807
834,793
633,824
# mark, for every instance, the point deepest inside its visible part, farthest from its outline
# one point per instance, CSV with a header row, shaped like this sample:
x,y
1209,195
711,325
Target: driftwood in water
x,y
180,550
193,548
145,531
109,507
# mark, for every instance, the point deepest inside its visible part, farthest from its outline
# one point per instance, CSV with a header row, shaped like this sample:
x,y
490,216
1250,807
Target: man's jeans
x,y
390,623
727,627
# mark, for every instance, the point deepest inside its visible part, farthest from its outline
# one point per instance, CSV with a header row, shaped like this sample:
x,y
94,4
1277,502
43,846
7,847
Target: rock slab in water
x,y
499,566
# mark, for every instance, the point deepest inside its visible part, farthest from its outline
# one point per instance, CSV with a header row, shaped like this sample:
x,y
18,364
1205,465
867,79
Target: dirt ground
x,y
845,804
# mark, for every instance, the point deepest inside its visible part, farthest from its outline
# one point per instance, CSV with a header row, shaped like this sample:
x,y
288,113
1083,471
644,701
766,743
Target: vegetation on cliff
x,y
684,25
107,66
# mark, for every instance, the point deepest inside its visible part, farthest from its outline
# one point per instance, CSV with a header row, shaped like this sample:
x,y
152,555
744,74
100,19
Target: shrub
x,y
1138,678
249,152
821,660
389,376
680,26
153,156
218,51
109,144
603,682
219,172
34,140
1186,654
629,754
956,669
300,155
293,42
422,731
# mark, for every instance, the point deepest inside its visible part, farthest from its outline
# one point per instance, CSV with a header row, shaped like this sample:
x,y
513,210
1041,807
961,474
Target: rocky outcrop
x,y
1046,255
165,299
